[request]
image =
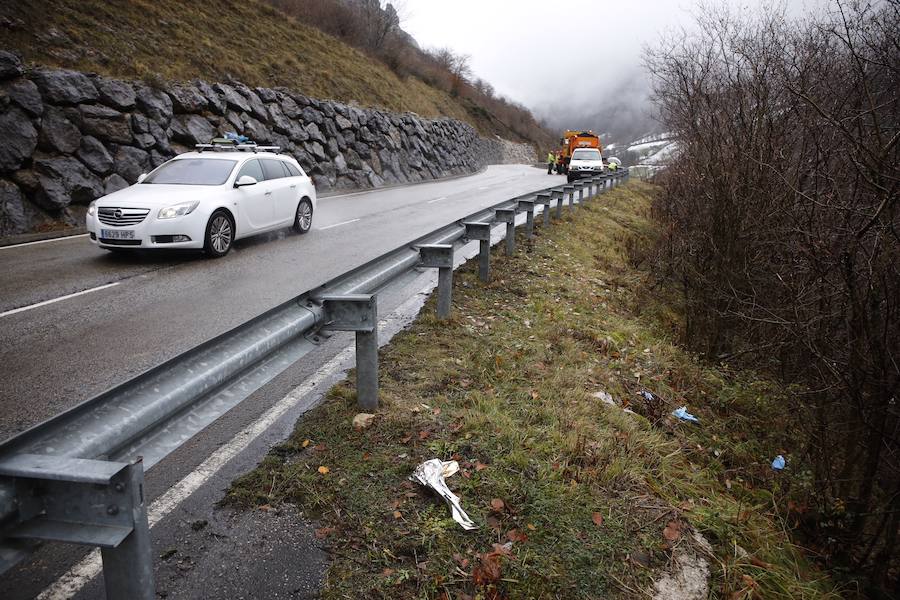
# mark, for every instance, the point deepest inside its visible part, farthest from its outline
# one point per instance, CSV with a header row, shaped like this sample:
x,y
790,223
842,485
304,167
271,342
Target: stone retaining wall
x,y
67,138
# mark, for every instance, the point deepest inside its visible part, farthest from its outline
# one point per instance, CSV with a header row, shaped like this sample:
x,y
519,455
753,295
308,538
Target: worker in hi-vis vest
x,y
551,162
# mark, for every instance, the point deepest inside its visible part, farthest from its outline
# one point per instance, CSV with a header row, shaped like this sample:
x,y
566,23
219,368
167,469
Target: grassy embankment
x,y
244,39
592,498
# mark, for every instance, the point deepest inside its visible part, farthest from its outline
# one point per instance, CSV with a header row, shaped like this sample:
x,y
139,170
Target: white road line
x,y
79,575
56,239
338,224
66,297
437,200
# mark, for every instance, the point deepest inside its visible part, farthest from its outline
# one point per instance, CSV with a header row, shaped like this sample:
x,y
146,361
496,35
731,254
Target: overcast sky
x,y
553,56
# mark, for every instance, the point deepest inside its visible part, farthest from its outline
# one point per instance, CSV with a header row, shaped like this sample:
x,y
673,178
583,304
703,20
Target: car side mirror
x,y
245,180
142,177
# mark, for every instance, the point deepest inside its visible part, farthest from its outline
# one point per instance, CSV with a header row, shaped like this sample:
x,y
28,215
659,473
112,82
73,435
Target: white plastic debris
x,y
431,474
683,414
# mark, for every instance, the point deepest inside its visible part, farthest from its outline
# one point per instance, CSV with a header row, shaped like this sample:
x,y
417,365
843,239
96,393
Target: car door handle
x,y
294,187
269,193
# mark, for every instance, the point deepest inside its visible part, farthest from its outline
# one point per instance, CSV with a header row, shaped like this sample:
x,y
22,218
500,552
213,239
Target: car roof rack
x,y
232,145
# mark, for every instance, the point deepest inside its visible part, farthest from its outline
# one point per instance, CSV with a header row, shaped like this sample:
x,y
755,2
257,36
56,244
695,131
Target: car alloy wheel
x,y
303,218
219,235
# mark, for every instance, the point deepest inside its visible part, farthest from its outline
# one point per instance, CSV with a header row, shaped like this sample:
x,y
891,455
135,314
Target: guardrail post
x,y
482,233
527,206
559,202
508,216
359,313
544,199
88,502
570,190
128,568
440,256
580,187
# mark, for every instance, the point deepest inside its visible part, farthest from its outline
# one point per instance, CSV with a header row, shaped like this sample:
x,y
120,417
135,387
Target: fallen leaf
x,y
306,443
436,411
424,435
672,531
514,535
759,563
480,466
487,571
597,518
324,470
265,508
398,514
323,532
494,523
497,505
387,572
320,448
406,439
749,581
531,527
367,455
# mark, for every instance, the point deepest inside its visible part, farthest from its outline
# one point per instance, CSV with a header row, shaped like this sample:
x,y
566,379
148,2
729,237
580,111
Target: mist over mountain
x,y
620,114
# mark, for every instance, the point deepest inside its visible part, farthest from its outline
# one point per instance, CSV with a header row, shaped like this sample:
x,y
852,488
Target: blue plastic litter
x,y
240,139
779,463
684,415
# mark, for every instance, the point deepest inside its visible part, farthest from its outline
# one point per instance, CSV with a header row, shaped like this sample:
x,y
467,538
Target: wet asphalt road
x,y
57,355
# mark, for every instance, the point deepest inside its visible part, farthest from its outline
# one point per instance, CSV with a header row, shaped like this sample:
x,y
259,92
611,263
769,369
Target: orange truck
x,y
571,141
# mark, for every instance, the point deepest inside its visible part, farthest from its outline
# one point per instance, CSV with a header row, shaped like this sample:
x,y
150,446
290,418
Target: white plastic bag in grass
x,y
431,474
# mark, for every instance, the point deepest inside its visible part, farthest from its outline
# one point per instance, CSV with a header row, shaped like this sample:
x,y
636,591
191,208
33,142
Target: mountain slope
x,y
247,40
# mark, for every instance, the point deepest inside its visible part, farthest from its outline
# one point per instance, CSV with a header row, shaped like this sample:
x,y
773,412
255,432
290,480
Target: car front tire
x,y
303,216
219,234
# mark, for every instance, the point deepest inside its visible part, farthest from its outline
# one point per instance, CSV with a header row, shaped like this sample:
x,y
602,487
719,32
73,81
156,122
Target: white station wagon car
x,y
206,200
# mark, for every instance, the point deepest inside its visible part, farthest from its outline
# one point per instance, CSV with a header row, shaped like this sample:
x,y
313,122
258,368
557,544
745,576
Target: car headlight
x,y
92,208
177,210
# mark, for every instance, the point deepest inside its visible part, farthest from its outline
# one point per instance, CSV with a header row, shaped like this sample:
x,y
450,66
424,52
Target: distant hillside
x,y
248,40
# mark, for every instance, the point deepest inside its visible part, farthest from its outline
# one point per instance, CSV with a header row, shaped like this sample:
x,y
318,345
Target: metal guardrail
x,y
78,477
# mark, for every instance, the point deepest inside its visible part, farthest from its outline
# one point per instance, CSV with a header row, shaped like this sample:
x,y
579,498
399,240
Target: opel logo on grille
x,y
118,214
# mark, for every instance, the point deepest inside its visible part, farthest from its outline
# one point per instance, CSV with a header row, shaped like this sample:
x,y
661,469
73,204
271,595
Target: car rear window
x,y
273,168
192,171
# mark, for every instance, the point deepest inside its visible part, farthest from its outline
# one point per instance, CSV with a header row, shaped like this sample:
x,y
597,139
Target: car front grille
x,y
122,217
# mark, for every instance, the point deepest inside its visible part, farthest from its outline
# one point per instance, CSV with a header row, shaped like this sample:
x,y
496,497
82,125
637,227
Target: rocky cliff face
x,y
67,138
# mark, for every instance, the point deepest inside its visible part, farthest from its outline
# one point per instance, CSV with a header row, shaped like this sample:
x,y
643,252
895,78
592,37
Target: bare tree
x,y
782,232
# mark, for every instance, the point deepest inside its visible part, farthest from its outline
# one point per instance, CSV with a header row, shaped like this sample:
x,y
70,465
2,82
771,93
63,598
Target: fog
x,y
575,64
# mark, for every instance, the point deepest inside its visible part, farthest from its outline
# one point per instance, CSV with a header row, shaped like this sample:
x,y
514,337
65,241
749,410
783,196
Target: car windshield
x,y
586,154
193,171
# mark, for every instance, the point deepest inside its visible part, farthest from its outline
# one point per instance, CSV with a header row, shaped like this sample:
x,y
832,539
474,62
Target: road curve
x,y
65,338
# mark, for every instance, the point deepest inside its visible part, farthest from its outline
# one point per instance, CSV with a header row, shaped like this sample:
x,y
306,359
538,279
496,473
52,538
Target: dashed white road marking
x,y
56,239
61,298
437,200
338,224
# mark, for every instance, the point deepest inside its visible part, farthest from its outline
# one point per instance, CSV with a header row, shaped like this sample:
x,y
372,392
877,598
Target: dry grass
x,y
506,389
245,39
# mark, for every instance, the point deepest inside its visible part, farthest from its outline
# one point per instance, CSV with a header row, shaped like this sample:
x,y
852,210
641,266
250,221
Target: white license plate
x,y
117,234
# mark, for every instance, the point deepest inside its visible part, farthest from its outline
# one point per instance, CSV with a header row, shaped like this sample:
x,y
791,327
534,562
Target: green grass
x,y
244,39
505,388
